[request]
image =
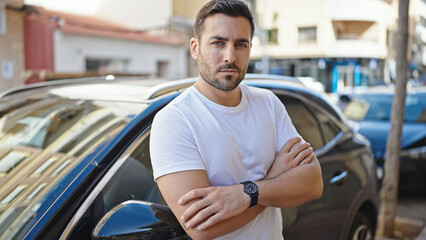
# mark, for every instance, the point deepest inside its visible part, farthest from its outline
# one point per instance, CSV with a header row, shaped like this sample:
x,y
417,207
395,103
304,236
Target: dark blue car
x,y
371,111
75,163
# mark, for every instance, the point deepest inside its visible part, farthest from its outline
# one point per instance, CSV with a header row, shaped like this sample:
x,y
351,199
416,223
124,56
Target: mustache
x,y
228,66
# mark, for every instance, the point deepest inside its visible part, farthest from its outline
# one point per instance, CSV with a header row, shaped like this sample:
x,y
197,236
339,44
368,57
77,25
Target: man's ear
x,y
194,45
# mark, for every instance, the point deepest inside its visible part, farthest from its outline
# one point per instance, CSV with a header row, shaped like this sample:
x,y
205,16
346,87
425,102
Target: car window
x,y
370,107
415,108
312,123
134,180
303,119
377,107
129,179
328,126
46,139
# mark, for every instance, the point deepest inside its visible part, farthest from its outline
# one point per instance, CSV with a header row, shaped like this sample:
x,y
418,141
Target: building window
x,y
355,30
11,160
307,34
273,36
2,20
12,195
104,66
163,68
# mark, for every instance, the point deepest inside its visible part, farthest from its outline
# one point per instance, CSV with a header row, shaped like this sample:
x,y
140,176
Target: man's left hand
x,y
212,205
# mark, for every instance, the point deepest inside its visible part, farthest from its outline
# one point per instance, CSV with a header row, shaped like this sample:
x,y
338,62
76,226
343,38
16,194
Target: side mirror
x,y
139,220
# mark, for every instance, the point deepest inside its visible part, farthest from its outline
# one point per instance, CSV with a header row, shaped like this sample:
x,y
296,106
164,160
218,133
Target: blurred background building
x,y
417,40
67,45
11,44
338,44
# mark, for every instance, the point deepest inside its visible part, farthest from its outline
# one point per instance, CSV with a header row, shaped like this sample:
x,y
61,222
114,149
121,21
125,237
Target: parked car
x,y
75,163
371,112
345,94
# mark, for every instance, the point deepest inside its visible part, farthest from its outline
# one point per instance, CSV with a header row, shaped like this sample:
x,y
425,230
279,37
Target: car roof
x,y
149,82
135,89
177,85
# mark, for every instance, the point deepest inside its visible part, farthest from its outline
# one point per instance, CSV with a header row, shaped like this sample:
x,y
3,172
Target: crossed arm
x,y
207,212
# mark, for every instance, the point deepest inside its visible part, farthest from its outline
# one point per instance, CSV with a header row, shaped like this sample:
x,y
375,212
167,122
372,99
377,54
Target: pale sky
x,y
84,7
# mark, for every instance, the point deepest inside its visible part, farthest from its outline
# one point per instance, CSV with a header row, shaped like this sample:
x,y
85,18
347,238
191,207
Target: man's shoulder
x,y
257,91
178,106
259,94
184,98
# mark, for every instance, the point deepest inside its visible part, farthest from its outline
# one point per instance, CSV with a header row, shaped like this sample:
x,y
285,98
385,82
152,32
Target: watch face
x,y
250,188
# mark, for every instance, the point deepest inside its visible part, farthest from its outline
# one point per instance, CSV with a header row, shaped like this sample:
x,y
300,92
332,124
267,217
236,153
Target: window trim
x,y
102,183
273,32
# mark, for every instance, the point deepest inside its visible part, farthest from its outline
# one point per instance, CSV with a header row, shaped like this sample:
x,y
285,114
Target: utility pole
x,y
389,191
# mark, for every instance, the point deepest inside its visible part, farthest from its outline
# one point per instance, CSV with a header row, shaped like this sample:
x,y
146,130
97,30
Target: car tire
x,y
362,228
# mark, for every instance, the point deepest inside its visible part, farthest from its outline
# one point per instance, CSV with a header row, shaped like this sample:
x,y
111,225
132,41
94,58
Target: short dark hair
x,y
233,8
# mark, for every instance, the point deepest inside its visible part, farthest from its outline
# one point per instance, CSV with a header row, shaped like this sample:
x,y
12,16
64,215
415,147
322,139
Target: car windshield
x,y
43,136
378,107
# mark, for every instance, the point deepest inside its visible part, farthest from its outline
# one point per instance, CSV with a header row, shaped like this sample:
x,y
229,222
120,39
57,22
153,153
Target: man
x,y
226,155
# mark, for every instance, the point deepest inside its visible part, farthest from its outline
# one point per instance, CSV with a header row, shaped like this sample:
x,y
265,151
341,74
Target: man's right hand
x,y
292,154
213,204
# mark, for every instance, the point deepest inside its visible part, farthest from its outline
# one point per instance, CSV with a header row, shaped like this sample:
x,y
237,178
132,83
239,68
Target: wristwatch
x,y
251,189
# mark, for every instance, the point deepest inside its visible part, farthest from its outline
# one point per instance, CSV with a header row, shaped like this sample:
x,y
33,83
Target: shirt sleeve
x,y
172,145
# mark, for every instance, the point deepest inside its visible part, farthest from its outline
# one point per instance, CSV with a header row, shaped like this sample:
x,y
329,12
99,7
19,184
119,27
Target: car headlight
x,y
414,153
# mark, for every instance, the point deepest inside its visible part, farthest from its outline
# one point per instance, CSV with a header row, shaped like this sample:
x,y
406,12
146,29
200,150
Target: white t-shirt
x,y
232,144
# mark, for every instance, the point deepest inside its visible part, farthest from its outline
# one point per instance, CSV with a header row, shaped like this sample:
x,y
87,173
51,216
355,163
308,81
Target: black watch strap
x,y
251,189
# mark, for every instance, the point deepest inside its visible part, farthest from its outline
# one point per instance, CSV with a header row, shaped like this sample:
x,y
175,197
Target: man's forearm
x,y
294,178
293,187
191,200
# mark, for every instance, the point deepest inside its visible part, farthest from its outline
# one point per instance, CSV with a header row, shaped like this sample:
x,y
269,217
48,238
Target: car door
x,y
125,174
326,217
130,178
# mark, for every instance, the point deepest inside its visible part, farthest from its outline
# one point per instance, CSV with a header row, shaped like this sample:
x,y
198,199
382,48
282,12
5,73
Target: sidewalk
x,y
413,208
422,235
410,219
407,229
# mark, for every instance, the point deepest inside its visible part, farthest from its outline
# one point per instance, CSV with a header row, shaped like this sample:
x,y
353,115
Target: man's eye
x,y
241,45
218,43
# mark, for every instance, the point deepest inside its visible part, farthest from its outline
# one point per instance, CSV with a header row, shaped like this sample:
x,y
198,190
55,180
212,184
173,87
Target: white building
x,y
339,42
11,44
165,18
136,14
417,33
71,44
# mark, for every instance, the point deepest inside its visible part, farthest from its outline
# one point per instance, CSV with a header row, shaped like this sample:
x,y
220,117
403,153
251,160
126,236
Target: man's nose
x,y
229,55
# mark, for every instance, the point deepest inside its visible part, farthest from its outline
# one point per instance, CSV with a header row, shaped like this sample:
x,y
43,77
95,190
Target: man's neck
x,y
226,98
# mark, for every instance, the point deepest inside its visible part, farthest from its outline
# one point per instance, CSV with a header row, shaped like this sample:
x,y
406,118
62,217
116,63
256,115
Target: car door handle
x,y
339,178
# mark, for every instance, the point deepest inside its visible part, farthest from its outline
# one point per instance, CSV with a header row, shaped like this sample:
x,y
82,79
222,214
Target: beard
x,y
209,74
